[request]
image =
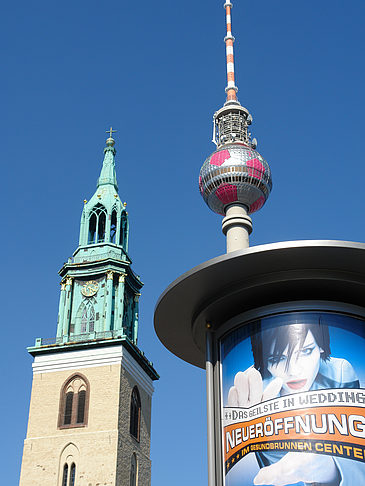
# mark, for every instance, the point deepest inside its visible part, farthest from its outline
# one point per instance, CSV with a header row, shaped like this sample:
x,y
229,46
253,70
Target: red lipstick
x,y
296,384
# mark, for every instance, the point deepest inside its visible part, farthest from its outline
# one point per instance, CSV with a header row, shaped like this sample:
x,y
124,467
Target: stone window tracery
x,y
87,317
74,402
97,224
68,465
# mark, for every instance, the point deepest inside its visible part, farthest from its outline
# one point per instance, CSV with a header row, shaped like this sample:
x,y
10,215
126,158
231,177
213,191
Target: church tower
x,y
90,410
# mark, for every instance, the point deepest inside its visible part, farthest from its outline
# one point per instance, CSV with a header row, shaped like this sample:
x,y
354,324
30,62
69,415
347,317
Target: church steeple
x,y
104,218
99,291
92,385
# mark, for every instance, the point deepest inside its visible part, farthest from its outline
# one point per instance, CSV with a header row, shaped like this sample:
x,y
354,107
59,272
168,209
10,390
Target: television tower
x,y
235,180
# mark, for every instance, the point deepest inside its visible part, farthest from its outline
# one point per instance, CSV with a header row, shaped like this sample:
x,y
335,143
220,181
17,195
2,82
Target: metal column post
x,y
210,407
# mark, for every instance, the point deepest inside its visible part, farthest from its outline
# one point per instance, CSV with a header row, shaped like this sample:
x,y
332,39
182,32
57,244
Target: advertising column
x,y
293,400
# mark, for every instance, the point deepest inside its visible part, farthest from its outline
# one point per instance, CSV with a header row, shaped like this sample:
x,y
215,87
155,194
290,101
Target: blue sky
x,y
156,72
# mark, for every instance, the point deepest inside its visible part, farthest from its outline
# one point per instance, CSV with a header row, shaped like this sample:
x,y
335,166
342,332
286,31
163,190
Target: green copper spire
x,y
99,298
107,175
104,219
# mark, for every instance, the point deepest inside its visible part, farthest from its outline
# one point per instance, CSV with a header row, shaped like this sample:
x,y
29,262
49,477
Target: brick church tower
x,y
90,409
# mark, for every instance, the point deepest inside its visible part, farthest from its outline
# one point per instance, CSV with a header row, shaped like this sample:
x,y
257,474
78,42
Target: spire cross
x,y
111,131
229,40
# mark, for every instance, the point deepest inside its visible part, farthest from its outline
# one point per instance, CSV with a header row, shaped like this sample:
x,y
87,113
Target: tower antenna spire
x,y
231,88
235,181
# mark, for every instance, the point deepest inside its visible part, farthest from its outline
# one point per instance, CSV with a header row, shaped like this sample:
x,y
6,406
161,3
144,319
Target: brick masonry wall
x,y
127,444
96,443
102,450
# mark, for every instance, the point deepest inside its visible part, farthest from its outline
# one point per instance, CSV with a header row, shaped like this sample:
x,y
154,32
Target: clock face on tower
x,y
90,288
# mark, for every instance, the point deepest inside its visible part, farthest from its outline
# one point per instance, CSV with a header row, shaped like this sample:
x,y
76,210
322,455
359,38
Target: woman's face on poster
x,y
299,369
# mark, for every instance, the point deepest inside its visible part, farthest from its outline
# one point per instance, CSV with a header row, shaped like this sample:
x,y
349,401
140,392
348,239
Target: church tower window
x,y
97,223
91,318
68,408
72,474
87,312
101,227
65,474
134,470
123,239
113,226
92,228
74,402
135,417
81,406
84,320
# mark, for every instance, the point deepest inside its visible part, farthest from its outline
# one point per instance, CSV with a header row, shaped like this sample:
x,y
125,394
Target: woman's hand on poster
x,y
300,466
248,389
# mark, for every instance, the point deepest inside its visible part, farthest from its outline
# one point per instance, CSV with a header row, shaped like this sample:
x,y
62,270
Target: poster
x,y
293,401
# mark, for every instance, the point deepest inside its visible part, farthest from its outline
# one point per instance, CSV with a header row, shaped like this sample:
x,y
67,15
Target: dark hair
x,y
282,336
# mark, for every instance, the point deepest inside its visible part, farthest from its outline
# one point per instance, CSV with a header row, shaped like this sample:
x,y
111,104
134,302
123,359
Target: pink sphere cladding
x,y
218,158
227,193
235,173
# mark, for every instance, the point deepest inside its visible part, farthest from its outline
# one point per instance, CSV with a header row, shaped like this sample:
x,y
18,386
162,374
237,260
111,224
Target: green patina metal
x,y
99,291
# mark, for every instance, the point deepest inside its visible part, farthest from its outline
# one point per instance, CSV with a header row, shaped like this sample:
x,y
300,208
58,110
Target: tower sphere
x,y
235,174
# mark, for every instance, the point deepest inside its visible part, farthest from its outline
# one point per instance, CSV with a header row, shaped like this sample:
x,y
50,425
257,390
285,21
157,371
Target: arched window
x,y
101,227
74,403
123,238
97,222
92,228
113,226
135,417
72,474
65,475
87,312
67,466
134,470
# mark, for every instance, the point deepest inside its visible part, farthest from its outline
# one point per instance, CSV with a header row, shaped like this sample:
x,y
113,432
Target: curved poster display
x,y
293,401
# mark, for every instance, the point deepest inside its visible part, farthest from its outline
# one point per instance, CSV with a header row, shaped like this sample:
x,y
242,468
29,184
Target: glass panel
x,y
135,413
84,320
81,407
92,228
133,477
123,230
91,319
65,474
113,227
101,227
72,474
68,408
